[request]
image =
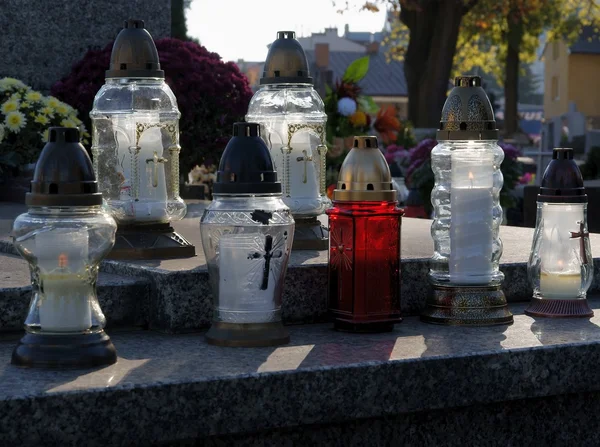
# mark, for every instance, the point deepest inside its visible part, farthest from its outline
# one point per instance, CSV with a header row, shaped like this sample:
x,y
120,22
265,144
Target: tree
x,y
438,38
178,25
504,35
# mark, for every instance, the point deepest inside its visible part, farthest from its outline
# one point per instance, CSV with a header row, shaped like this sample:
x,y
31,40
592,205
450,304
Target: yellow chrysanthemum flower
x,y
33,96
42,119
15,121
68,123
51,101
49,111
10,106
25,104
44,135
62,109
7,83
32,114
358,119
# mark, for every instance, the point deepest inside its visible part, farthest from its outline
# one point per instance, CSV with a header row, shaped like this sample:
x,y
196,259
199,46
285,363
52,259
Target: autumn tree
x,y
504,35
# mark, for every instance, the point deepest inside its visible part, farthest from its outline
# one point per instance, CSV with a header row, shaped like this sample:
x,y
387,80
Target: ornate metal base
x,y
247,335
467,306
310,235
64,351
368,327
559,308
157,241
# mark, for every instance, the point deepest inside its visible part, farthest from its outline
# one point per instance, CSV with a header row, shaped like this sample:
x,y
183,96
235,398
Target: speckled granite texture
x,y
43,40
122,299
525,422
176,388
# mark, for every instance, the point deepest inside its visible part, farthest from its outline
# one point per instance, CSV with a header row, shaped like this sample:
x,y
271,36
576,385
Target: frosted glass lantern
x,y
247,234
64,236
466,163
561,266
292,117
135,148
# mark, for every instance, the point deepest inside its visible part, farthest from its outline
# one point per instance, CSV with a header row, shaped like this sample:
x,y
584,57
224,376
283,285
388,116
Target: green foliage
x,y
356,70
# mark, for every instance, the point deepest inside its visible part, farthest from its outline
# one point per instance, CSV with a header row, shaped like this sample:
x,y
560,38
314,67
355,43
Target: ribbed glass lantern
x,y
135,149
247,234
561,267
64,236
466,163
292,117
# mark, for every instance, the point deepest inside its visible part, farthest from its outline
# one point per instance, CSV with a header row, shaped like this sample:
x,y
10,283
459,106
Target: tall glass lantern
x,y
247,234
135,150
63,236
561,267
464,270
292,116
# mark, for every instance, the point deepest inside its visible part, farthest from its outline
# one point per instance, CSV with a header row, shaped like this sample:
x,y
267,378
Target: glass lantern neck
x,y
284,86
231,197
141,81
64,210
468,143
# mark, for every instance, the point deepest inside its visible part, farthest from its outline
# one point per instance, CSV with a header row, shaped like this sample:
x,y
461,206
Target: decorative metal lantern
x,y
135,148
63,236
561,266
247,233
364,243
467,214
292,116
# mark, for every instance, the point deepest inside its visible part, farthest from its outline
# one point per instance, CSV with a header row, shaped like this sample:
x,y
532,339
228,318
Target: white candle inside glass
x,y
471,227
560,276
151,205
241,274
64,304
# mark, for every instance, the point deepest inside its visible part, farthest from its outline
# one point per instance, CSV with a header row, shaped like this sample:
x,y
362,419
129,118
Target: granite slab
x,y
124,300
166,389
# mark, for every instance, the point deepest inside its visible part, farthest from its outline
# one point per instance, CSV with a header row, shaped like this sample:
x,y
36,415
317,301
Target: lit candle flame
x,y
560,264
471,176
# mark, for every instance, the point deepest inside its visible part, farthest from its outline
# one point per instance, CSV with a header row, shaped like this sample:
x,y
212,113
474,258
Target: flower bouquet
x,y
25,116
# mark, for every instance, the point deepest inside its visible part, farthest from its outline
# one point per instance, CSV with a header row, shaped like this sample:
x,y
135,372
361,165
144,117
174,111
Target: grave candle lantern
x,y
247,234
292,117
135,149
560,267
464,270
364,243
63,236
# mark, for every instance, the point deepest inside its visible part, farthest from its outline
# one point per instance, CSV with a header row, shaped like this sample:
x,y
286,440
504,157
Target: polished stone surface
x,y
169,388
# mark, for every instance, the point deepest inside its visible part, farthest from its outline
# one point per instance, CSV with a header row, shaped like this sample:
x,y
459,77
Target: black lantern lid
x,y
286,62
64,175
467,113
134,54
562,181
246,166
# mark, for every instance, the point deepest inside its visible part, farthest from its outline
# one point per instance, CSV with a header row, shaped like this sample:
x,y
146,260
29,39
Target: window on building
x,y
555,88
555,49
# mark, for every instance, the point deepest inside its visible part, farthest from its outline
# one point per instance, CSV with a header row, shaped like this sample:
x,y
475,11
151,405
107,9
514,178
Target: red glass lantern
x,y
364,243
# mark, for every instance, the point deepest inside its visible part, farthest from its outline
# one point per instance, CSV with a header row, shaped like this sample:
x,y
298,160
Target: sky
x,y
242,29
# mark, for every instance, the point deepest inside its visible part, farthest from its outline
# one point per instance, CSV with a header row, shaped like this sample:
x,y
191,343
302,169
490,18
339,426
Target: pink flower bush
x,y
211,95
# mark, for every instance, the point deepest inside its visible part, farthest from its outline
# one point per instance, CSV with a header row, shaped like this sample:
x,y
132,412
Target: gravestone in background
x,y
40,40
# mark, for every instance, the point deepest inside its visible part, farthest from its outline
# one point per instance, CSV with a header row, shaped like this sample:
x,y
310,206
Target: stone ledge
x,y
166,389
122,299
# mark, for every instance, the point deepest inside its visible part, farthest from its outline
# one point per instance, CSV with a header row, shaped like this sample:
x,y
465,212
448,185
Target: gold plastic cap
x,y
365,175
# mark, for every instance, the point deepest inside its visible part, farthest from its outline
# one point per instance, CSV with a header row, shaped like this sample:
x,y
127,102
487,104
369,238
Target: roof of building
x,y
588,42
382,79
364,37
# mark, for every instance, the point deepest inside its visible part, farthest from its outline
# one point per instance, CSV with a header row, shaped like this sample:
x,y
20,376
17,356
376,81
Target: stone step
x,y
123,299
535,382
